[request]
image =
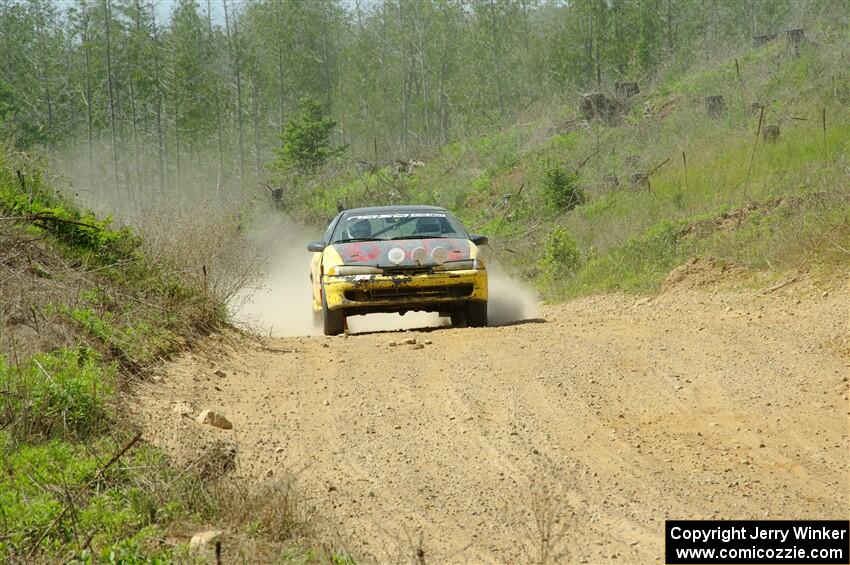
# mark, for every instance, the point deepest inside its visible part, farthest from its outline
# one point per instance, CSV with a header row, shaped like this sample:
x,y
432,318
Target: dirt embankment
x,y
572,438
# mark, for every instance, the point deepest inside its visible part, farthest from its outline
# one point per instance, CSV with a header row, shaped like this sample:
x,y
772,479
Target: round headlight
x,y
419,255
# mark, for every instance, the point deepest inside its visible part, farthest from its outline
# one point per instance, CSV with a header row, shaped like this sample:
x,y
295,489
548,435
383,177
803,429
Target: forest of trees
x,y
144,94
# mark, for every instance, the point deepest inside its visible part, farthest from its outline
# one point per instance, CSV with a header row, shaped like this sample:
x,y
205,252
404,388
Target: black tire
x,y
458,317
476,314
334,320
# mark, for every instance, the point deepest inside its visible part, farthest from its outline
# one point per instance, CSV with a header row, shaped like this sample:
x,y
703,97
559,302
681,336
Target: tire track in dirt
x,y
609,418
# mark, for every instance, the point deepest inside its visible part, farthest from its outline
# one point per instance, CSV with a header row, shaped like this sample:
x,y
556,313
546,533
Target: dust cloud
x,y
510,299
279,303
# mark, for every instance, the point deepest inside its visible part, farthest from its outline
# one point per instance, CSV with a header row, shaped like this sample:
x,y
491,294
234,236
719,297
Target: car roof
x,y
394,209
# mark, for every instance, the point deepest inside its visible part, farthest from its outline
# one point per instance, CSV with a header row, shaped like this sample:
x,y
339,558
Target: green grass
x,y
37,484
64,393
640,265
57,497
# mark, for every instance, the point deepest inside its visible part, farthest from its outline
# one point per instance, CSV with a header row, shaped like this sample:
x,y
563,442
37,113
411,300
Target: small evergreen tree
x,y
561,189
306,139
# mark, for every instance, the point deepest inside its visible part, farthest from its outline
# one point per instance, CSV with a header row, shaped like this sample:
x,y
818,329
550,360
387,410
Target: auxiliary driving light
x,y
419,255
439,255
396,255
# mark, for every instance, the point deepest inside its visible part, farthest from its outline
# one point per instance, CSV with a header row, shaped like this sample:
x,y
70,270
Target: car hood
x,y
376,253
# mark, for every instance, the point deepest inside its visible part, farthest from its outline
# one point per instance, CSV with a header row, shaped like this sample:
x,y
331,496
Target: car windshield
x,y
399,224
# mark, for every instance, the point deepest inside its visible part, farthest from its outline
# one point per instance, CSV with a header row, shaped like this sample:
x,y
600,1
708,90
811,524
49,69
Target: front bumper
x,y
400,293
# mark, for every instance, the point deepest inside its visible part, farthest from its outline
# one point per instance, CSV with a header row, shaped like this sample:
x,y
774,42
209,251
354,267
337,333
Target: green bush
x,y
60,394
561,257
561,189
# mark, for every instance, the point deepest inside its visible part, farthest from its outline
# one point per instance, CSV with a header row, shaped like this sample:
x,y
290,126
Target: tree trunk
x,y
281,76
237,63
177,177
111,89
590,39
497,58
160,134
43,76
138,189
326,70
423,71
255,118
403,81
89,101
598,66
669,21
218,128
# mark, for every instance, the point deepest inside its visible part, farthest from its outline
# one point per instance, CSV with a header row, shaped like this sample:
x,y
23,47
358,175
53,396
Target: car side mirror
x,y
316,246
478,239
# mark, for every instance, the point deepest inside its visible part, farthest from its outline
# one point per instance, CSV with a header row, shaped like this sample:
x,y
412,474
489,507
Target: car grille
x,y
408,292
395,271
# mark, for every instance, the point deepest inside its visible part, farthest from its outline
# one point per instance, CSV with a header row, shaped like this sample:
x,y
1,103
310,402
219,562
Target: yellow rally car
x,y
398,259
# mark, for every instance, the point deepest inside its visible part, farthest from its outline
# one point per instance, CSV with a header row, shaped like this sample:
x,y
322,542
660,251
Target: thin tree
x,y
405,124
217,101
159,102
497,57
111,89
236,56
86,45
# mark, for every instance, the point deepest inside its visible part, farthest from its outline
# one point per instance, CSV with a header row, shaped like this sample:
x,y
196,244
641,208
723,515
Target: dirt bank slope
x,y
595,425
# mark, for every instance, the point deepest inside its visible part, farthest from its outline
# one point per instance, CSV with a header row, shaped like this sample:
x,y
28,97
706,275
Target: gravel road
x,y
568,438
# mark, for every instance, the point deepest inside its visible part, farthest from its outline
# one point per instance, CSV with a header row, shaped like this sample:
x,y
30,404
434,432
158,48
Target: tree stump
x,y
405,166
640,181
277,196
626,89
755,108
796,38
598,106
760,40
715,106
770,133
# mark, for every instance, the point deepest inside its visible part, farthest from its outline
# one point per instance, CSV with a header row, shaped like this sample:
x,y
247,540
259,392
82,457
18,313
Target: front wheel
x,y
334,320
476,314
458,317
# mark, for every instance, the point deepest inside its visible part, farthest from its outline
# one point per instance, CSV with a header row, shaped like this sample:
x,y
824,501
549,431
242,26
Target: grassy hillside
x,y
716,188
86,310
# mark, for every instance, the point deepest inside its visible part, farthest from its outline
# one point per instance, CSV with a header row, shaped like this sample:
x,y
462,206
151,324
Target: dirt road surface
x,y
570,438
